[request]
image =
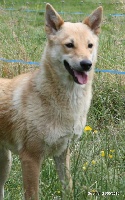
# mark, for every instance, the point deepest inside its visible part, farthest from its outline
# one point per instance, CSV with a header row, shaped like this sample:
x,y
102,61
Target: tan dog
x,y
41,112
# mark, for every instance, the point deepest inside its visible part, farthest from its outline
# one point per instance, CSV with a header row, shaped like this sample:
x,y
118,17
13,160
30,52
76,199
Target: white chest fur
x,y
53,119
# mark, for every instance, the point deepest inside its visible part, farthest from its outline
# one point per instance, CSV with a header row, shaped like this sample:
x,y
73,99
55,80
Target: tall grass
x,y
98,159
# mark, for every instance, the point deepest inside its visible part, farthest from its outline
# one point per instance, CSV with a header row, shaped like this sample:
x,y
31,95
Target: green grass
x,y
22,37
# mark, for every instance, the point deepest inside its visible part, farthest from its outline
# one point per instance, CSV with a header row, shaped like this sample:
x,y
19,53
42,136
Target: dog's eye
x,y
90,45
69,45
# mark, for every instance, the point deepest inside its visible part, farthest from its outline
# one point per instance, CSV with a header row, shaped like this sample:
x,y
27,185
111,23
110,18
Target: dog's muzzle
x,y
80,75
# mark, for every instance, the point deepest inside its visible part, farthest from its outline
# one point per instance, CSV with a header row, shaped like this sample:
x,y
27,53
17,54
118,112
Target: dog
x,y
43,111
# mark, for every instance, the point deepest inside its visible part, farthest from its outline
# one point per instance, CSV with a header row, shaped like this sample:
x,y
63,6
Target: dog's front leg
x,y
63,169
31,163
5,166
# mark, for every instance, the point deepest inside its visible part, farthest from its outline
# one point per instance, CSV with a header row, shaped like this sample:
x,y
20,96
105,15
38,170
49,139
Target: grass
x,y
98,159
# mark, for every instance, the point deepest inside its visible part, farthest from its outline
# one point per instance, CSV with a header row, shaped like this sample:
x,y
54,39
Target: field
x,y
98,159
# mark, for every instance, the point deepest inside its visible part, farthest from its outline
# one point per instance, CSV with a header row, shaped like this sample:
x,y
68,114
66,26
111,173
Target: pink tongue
x,y
81,77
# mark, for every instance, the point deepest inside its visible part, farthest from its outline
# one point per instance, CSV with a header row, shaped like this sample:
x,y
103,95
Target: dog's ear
x,y
94,20
53,20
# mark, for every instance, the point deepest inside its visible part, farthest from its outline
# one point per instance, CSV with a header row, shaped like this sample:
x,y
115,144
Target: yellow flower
x,y
93,191
87,128
112,150
84,168
102,153
93,162
85,165
58,192
95,131
110,155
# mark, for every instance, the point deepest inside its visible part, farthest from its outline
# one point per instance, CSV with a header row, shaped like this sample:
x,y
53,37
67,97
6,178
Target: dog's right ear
x,y
53,20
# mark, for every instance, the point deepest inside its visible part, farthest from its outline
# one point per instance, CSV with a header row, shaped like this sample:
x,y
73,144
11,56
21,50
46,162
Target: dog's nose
x,y
86,65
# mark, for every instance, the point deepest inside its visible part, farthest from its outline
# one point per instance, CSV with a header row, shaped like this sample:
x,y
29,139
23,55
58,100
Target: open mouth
x,y
79,77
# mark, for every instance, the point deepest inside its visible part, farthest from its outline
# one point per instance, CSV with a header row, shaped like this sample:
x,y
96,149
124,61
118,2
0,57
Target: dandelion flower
x,y
84,168
85,165
95,131
93,191
110,155
112,150
87,128
93,162
102,153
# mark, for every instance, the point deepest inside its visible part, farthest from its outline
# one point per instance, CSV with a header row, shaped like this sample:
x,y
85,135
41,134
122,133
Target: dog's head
x,y
73,46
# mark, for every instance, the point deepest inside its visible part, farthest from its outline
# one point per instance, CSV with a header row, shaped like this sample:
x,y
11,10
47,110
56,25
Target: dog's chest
x,y
66,119
53,121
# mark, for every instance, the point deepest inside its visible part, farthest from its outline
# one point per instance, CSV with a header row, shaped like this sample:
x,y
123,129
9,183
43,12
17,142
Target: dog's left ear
x,y
94,20
53,20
